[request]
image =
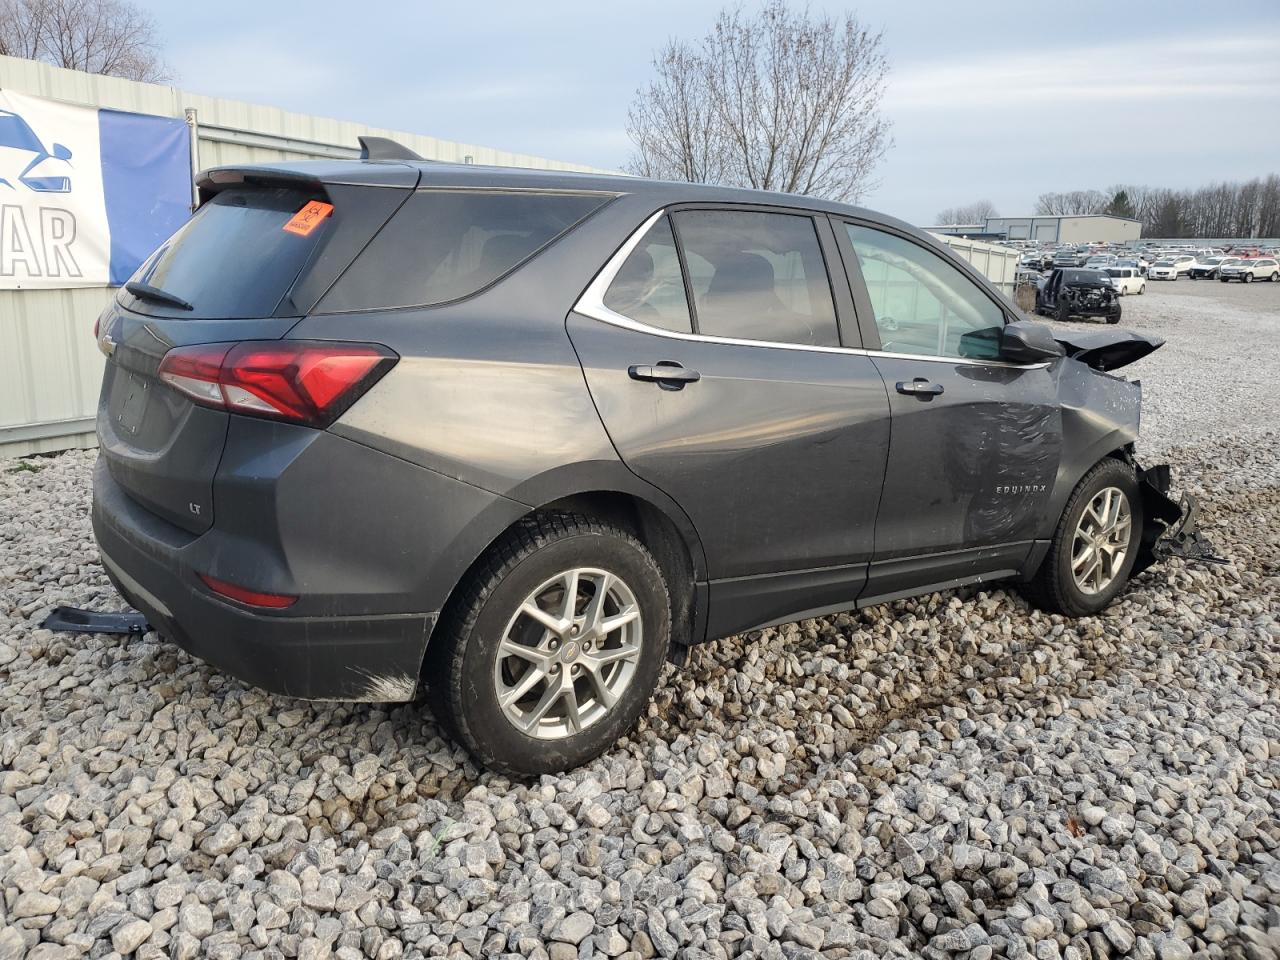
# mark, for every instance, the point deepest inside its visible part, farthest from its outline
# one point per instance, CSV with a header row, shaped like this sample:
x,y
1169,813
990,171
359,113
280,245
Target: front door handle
x,y
667,374
919,387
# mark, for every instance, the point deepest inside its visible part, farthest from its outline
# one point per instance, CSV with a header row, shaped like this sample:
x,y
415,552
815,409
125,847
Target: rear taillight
x,y
300,381
253,598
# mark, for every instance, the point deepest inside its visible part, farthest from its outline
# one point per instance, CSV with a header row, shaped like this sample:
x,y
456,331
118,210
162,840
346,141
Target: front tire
x,y
554,647
1247,278
1094,546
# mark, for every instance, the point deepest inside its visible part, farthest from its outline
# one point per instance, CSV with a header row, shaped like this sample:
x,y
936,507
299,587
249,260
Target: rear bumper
x,y
316,657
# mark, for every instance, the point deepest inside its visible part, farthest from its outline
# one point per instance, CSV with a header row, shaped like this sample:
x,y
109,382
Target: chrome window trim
x,y
591,304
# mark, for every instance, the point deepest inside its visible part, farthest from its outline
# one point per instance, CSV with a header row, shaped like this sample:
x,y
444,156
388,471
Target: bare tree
x,y
781,100
112,37
976,212
1072,203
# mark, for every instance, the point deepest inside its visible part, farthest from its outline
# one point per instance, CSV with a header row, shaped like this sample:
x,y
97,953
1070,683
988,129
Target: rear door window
x,y
444,245
649,287
234,258
757,276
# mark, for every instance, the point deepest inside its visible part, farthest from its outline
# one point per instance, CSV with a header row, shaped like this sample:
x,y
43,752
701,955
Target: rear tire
x,y
583,687
1057,586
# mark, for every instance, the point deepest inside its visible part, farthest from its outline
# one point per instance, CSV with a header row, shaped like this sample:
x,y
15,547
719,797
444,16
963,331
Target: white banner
x,y
86,193
53,214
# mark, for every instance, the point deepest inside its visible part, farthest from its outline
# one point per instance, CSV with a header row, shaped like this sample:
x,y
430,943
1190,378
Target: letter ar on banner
x,y
85,193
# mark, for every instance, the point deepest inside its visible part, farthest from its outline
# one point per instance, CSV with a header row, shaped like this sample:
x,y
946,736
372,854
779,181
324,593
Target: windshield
x,y
1083,276
1164,263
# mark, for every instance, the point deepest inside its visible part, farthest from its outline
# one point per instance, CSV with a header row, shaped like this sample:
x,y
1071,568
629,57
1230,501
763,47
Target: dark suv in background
x,y
524,435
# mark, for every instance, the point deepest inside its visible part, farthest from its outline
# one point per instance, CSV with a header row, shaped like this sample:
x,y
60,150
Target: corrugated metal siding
x,y
998,264
50,367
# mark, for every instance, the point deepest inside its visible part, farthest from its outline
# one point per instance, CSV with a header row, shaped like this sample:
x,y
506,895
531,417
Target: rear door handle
x,y
919,387
667,374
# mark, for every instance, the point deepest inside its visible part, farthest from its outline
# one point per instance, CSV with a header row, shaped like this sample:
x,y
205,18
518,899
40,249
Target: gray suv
x,y
522,436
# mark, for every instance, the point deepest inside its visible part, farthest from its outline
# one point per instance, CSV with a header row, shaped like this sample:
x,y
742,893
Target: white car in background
x,y
1163,270
1127,280
1247,271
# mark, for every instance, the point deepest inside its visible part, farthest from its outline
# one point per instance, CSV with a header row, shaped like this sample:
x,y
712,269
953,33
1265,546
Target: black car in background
x,y
1066,294
523,436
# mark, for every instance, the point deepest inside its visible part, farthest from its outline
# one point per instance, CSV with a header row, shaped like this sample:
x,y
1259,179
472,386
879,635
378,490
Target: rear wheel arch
x,y
674,547
661,536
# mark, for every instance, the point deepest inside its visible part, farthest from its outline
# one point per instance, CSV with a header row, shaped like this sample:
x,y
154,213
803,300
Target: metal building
x,y
1085,228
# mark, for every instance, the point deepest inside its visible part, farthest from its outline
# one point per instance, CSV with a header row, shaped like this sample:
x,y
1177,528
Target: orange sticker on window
x,y
308,218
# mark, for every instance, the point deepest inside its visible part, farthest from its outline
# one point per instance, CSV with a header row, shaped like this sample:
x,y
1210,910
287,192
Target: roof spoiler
x,y
382,148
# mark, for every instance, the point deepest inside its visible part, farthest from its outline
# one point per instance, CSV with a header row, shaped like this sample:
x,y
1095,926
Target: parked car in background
x,y
1247,271
524,436
1208,268
1126,280
1069,258
1138,263
1076,292
1099,261
1163,270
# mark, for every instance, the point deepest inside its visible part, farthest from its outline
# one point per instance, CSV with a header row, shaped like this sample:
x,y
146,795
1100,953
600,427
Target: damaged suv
x,y
521,436
1078,293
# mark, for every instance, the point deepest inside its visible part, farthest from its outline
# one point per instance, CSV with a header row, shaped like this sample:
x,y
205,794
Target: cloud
x,y
1156,70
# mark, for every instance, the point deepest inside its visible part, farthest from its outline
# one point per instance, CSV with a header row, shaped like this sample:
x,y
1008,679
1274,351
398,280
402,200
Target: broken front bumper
x,y
1169,528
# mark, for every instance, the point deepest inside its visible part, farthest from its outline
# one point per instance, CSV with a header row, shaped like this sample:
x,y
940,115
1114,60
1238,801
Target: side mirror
x,y
1028,342
61,152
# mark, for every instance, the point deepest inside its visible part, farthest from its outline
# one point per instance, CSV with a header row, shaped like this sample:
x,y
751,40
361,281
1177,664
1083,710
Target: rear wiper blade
x,y
145,291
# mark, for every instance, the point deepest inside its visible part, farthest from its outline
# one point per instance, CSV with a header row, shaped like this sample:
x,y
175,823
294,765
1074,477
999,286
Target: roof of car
x,y
429,173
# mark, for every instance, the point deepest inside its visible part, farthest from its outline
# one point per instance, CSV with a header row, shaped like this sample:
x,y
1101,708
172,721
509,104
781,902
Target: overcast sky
x,y
995,101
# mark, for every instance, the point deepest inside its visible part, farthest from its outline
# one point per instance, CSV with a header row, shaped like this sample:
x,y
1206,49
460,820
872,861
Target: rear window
x,y
446,244
234,258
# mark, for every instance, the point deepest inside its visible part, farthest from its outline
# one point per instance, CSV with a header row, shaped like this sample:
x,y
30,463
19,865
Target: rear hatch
x,y
261,250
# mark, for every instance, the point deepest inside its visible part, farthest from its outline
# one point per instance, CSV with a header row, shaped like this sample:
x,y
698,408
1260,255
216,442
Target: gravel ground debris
x,y
951,777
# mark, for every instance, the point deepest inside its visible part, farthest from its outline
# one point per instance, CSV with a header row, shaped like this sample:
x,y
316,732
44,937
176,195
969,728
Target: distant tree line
x,y
1240,209
976,212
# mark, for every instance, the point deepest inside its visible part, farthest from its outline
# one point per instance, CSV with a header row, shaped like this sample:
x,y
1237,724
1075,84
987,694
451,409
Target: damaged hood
x,y
1107,349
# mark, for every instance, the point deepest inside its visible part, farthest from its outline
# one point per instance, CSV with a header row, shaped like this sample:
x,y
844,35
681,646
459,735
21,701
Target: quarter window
x,y
649,287
757,276
443,245
922,304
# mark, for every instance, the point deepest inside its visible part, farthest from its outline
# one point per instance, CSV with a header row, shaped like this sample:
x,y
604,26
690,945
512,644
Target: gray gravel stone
x,y
949,776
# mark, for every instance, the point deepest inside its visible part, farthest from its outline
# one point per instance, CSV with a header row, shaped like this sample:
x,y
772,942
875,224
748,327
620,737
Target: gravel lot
x,y
957,776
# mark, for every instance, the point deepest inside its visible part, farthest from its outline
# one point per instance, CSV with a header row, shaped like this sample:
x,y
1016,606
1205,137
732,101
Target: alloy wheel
x,y
1101,541
568,653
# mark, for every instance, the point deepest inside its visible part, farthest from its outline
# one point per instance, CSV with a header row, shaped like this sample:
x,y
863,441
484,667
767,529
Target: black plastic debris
x,y
75,620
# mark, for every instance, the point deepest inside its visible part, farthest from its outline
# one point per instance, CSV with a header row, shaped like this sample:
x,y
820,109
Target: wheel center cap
x,y
569,651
